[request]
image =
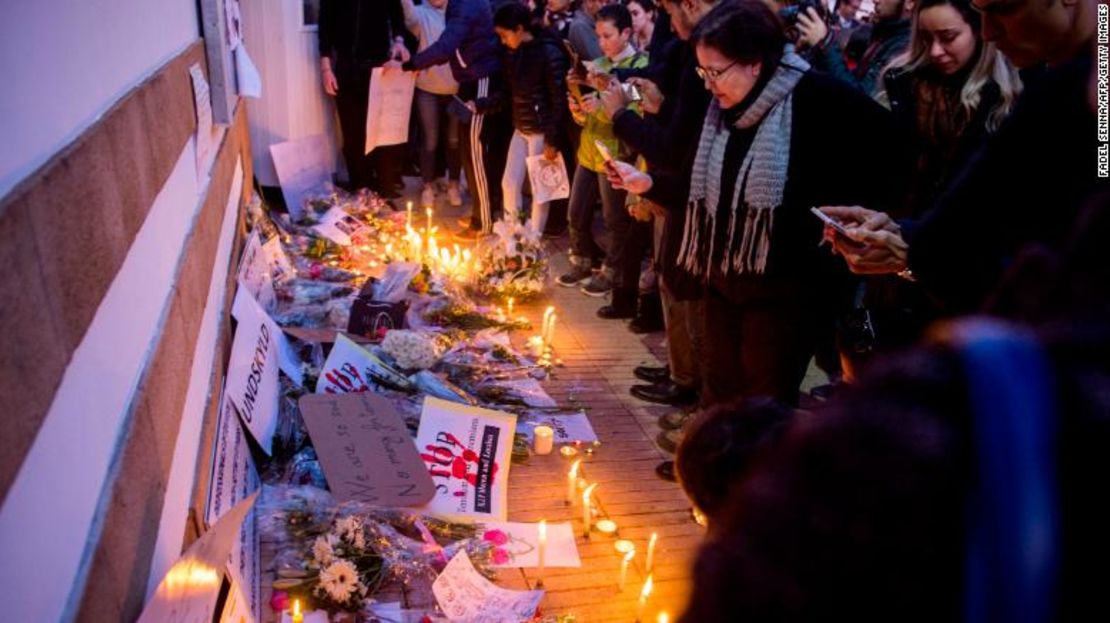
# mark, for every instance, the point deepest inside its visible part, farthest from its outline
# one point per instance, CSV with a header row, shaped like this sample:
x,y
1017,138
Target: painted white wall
x,y
63,63
46,519
293,104
183,470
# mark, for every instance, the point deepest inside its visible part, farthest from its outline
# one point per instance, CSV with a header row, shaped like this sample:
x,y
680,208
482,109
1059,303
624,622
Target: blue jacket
x,y
468,42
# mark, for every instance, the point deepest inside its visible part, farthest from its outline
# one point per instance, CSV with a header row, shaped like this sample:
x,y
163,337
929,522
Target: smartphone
x,y
631,92
831,222
604,151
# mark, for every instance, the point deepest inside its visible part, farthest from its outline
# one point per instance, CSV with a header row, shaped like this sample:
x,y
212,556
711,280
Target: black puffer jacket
x,y
535,89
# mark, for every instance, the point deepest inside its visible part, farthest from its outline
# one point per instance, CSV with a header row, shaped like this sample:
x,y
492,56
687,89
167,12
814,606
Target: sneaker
x,y
598,286
577,275
675,420
454,197
428,196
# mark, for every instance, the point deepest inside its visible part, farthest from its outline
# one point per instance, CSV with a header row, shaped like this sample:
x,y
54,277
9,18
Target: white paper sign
x,y
530,391
548,178
189,590
339,227
281,269
234,478
467,451
246,74
569,427
287,359
389,107
464,595
303,166
521,544
255,274
351,368
203,102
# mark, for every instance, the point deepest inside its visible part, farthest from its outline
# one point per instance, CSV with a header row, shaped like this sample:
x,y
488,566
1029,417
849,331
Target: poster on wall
x,y
206,132
389,106
234,478
190,590
466,450
303,165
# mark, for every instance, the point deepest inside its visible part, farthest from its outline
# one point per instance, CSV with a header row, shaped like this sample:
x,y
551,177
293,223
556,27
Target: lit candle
x,y
544,439
624,569
568,451
606,526
547,313
500,314
551,331
586,514
624,546
662,618
428,212
408,214
644,594
651,553
511,301
535,346
542,549
572,481
298,617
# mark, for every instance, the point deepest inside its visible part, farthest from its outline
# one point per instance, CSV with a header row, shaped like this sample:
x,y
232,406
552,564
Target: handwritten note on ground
x,y
365,449
464,595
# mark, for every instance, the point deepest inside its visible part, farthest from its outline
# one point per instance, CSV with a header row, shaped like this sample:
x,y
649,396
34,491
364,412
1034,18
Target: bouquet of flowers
x,y
514,264
412,350
347,568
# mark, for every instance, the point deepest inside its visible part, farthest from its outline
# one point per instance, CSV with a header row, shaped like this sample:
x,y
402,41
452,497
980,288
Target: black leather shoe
x,y
613,312
641,325
665,470
665,393
652,374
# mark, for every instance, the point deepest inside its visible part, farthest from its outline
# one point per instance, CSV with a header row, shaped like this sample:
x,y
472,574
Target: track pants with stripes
x,y
484,144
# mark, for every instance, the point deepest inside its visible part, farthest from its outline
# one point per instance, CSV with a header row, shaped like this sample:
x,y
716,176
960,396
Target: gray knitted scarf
x,y
761,178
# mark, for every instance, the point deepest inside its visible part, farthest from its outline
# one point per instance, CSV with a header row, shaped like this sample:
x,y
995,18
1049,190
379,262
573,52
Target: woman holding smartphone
x,y
762,161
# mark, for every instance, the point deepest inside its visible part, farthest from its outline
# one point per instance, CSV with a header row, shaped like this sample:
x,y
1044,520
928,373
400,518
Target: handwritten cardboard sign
x,y
464,595
365,450
466,451
388,107
255,274
302,166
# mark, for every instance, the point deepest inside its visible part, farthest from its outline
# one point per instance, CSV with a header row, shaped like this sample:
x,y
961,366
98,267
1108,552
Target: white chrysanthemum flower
x,y
339,580
412,350
323,550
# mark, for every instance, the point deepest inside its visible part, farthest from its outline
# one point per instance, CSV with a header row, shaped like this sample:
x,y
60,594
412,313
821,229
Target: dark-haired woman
x,y
535,79
765,156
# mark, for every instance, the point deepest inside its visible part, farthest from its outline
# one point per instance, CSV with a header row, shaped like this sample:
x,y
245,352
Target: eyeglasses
x,y
713,75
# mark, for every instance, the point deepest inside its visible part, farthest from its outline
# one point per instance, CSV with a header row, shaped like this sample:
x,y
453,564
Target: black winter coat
x,y
535,89
359,33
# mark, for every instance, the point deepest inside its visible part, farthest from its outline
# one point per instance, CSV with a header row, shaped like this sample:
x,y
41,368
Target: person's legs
x,y
618,222
428,112
496,131
680,348
538,219
350,105
513,177
473,157
722,354
450,125
583,196
776,345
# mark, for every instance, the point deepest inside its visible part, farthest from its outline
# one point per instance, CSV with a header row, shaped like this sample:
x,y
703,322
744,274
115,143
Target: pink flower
x,y
499,556
496,537
315,270
279,601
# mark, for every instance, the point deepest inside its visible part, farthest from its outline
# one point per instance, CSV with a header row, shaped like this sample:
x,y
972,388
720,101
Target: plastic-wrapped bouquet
x,y
514,263
412,350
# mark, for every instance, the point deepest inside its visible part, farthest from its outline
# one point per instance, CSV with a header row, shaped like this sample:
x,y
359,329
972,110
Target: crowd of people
x,y
909,198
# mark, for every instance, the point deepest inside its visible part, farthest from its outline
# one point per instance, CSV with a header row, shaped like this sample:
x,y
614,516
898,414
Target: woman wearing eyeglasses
x,y
766,154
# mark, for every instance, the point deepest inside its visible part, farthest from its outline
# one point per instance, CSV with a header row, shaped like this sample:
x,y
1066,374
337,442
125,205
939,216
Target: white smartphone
x,y
604,151
830,221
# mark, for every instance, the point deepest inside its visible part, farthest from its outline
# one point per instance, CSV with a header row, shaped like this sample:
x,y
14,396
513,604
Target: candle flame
x,y
543,530
296,607
647,589
628,557
663,618
574,468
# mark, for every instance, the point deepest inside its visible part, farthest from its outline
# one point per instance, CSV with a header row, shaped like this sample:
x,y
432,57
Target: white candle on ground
x,y
542,548
572,481
644,594
606,526
651,553
544,439
624,569
624,546
586,514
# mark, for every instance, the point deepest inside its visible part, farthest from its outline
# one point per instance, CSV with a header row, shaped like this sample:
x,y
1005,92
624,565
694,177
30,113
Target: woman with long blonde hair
x,y
950,89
